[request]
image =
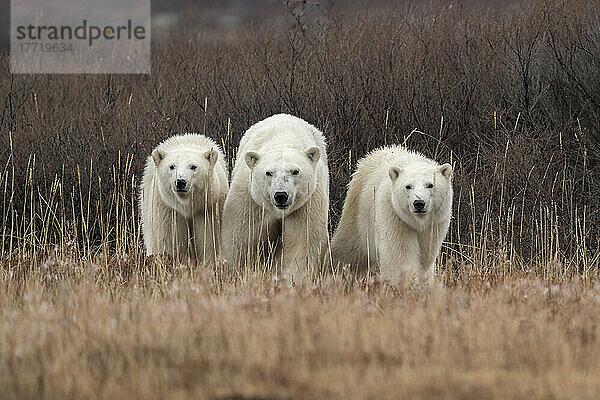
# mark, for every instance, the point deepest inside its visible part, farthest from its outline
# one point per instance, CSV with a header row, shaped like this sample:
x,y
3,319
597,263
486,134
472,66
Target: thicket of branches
x,y
510,94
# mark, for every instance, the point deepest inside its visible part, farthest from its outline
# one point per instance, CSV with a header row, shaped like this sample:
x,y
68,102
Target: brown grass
x,y
112,329
509,94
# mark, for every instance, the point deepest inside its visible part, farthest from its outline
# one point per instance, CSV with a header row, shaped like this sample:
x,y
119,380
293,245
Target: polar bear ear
x,y
313,155
395,172
212,156
157,156
251,158
446,170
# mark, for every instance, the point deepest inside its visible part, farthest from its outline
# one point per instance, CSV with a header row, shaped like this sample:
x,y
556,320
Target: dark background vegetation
x,y
509,92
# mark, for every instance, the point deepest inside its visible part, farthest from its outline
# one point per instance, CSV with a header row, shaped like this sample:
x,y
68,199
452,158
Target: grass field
x,y
508,93
127,328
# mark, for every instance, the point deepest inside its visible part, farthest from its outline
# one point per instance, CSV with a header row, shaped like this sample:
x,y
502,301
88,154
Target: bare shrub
x,y
508,93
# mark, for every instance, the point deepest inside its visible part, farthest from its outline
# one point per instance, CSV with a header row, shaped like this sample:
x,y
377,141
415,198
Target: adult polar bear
x,y
396,214
182,195
279,195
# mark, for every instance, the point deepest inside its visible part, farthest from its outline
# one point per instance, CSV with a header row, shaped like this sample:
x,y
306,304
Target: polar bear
x,y
279,197
183,190
396,214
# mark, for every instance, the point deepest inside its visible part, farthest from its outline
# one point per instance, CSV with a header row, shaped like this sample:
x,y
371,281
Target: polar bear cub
x,y
396,214
279,197
182,195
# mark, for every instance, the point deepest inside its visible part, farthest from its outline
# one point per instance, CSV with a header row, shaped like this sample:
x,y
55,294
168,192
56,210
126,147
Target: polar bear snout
x,y
419,207
181,186
281,200
420,204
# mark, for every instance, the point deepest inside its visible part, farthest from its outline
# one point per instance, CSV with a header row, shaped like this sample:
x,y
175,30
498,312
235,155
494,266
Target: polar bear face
x,y
418,193
282,182
183,177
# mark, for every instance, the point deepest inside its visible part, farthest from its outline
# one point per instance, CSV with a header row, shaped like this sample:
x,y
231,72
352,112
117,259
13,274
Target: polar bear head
x,y
421,193
184,176
283,181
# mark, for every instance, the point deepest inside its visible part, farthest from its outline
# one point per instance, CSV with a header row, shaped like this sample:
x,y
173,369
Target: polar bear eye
x,y
172,166
429,185
269,173
295,172
408,187
193,167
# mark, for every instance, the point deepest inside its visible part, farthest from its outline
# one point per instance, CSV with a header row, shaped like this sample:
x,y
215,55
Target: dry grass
x,y
78,329
508,93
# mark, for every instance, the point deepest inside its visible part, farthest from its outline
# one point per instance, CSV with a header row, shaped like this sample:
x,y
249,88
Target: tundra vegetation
x,y
508,93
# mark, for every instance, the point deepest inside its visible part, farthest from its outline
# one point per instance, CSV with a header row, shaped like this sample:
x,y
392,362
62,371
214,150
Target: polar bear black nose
x,y
180,184
419,205
280,197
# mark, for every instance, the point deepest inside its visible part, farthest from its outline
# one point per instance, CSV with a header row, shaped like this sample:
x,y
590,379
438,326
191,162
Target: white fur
x,y
293,153
185,224
379,226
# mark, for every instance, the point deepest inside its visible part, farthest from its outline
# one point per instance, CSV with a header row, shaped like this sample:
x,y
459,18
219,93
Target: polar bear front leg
x,y
398,251
430,243
240,232
304,238
399,260
205,239
169,232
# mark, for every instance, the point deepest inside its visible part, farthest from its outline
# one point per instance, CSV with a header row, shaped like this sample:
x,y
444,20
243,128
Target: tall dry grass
x,y
73,328
508,93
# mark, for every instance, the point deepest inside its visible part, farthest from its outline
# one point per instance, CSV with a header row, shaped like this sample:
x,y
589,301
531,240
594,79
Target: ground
x,y
77,330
